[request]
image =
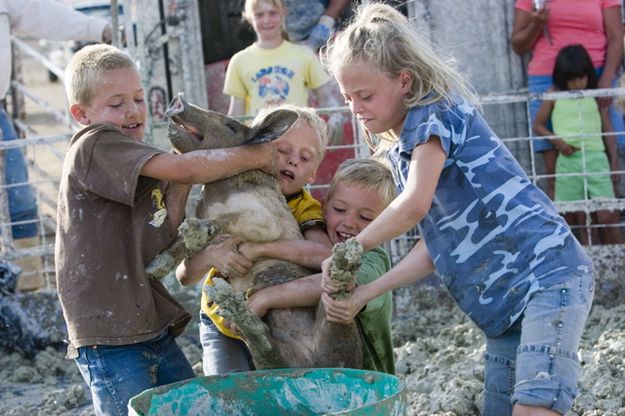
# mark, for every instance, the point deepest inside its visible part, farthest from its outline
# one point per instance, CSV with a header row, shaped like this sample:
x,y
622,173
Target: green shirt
x,y
578,121
374,321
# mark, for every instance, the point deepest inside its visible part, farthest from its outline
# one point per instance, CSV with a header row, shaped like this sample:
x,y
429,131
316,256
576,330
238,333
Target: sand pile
x,y
439,357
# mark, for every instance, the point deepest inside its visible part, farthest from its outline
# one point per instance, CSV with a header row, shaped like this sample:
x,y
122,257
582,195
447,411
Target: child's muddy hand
x,y
341,311
250,251
227,259
268,156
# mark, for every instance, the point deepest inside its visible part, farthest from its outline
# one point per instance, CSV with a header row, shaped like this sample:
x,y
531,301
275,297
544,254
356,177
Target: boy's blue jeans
x,y
22,201
117,373
220,353
535,361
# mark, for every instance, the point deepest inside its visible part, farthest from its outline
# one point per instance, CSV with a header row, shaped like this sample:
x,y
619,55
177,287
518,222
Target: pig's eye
x,y
232,127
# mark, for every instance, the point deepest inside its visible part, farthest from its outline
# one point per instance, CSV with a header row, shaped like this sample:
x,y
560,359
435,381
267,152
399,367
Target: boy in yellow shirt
x,y
300,151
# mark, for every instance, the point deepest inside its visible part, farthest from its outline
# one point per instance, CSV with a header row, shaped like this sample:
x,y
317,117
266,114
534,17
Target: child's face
x,y
267,21
298,157
349,210
376,99
578,83
118,99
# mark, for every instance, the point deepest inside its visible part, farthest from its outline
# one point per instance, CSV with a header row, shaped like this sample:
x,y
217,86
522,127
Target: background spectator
x,y
544,30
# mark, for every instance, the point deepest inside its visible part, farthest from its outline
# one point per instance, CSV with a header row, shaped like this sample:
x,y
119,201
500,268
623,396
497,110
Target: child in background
x,y
359,192
114,191
300,151
497,242
578,124
273,71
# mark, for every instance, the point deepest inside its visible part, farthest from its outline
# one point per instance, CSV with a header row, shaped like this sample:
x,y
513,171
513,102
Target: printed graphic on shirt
x,y
161,211
273,84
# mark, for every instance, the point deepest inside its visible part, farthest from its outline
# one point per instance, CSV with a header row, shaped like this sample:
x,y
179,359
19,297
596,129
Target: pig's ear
x,y
273,126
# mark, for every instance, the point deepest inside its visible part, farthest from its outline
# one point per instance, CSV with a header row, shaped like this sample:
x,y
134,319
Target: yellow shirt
x,y
307,212
270,77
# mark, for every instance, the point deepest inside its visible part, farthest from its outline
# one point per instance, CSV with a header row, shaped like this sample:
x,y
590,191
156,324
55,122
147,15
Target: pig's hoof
x,y
231,304
161,266
345,264
196,234
232,307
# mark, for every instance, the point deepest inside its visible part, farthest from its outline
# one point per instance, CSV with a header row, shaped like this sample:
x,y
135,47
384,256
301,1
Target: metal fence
x,y
46,184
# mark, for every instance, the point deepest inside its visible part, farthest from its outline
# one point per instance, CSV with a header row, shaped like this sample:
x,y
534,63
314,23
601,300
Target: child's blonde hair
x,y
87,66
384,38
307,115
250,5
365,174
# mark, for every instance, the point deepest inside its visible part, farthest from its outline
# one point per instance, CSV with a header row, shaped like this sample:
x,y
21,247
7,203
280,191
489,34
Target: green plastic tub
x,y
319,391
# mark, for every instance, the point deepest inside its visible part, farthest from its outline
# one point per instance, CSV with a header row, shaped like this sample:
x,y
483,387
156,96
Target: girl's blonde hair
x,y
368,175
381,36
87,66
250,5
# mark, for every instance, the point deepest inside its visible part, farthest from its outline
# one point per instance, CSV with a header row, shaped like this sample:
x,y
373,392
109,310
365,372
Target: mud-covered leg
x,y
345,264
232,307
340,345
194,234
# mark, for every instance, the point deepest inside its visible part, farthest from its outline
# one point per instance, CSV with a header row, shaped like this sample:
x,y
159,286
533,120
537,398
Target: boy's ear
x,y
78,112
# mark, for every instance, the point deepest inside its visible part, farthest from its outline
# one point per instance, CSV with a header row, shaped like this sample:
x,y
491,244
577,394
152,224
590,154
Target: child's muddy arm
x,y
305,253
413,204
296,293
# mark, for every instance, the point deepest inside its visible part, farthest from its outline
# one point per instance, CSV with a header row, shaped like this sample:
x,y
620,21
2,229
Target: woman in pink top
x,y
543,31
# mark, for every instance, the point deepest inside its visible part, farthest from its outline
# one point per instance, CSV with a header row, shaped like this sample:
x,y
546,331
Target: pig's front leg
x,y
339,345
232,306
193,236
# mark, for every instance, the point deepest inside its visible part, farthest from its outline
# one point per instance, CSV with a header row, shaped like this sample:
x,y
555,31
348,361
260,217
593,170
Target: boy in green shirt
x,y
359,191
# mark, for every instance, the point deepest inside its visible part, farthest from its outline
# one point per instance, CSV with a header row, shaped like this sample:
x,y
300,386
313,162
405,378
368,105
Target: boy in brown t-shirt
x,y
120,204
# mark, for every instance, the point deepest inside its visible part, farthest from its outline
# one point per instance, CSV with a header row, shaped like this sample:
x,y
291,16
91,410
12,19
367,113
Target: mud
x,y
438,356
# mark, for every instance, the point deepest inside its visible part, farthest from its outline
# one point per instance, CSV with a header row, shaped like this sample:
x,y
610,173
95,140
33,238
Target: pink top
x,y
570,21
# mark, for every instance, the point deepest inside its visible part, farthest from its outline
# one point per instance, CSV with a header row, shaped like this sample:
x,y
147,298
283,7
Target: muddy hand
x,y
344,266
342,311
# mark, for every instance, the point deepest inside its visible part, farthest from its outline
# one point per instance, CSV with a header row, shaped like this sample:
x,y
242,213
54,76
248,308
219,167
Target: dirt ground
x,y
438,355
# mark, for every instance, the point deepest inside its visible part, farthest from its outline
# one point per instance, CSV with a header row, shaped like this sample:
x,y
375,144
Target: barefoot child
x,y
359,192
300,150
497,242
120,204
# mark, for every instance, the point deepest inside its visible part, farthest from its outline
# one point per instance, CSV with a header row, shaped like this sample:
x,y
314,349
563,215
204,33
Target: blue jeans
x,y
22,201
535,362
220,353
540,84
117,373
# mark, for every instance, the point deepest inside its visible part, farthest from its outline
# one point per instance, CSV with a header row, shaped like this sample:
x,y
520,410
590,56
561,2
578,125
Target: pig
x,y
251,206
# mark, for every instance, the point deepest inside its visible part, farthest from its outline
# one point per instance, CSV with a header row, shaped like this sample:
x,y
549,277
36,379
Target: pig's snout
x,y
177,105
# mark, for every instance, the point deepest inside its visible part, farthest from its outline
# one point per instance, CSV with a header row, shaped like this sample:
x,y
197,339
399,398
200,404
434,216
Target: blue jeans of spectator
x,y
22,201
535,362
117,373
220,353
541,83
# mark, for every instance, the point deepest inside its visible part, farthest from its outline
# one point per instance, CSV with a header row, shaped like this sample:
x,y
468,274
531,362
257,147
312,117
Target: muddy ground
x,y
438,356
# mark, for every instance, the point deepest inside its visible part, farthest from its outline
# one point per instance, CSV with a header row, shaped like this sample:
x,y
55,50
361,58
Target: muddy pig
x,y
251,206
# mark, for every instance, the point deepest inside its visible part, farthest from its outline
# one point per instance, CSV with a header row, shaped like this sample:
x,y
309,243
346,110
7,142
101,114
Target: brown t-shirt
x,y
104,241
